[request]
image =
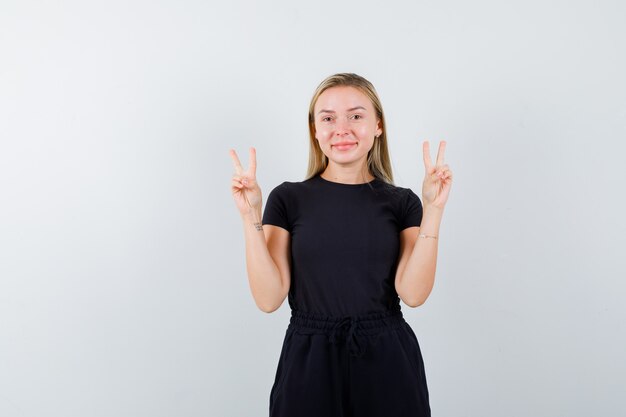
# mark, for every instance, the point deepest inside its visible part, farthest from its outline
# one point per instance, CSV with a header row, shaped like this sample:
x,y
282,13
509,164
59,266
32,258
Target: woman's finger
x,y
252,167
441,170
441,152
236,184
236,162
426,155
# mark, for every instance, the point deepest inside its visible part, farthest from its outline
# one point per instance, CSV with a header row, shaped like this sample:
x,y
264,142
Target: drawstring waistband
x,y
357,327
356,349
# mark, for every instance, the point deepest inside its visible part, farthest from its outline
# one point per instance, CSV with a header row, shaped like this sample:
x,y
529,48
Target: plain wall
x,y
123,287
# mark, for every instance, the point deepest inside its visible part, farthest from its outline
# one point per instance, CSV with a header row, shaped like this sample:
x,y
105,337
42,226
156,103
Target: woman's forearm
x,y
263,275
418,277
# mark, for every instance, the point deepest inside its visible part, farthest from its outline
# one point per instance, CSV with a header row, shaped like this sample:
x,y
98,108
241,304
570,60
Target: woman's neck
x,y
346,175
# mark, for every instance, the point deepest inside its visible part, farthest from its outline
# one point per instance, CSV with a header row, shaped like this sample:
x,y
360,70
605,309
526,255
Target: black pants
x,y
367,366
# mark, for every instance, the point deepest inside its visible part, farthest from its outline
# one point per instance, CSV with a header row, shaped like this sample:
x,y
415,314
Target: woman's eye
x,y
326,119
357,116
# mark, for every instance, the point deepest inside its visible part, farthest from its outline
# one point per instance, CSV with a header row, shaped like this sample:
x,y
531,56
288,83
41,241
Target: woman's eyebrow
x,y
332,111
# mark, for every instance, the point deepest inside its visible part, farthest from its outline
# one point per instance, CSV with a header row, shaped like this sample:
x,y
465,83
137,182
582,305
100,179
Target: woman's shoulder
x,y
292,186
392,188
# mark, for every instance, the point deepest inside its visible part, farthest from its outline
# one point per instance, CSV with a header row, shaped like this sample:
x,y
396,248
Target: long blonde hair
x,y
378,161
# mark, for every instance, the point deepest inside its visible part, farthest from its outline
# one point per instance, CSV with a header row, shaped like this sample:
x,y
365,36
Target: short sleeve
x,y
412,210
276,210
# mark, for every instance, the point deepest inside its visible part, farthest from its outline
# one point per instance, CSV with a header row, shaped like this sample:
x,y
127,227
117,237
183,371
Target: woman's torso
x,y
344,243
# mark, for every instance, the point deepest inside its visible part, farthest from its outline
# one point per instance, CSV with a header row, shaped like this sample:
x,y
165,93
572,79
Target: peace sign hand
x,y
438,178
246,190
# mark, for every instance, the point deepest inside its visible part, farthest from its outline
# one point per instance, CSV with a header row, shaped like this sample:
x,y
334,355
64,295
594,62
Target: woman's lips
x,y
344,147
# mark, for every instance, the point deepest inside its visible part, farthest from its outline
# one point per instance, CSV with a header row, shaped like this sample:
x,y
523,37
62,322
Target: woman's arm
x,y
417,264
267,261
267,248
415,276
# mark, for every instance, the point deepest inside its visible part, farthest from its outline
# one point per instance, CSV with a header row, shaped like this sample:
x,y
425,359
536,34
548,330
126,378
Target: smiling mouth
x,y
344,147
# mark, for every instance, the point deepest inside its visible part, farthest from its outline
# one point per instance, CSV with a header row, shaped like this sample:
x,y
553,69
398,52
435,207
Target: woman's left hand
x,y
438,178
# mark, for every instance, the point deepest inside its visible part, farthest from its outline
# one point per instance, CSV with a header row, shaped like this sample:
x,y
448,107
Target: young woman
x,y
345,245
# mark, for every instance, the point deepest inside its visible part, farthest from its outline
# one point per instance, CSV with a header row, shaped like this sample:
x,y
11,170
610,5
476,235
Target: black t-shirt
x,y
344,242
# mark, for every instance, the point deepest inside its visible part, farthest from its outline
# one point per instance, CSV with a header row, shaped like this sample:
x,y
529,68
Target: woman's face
x,y
345,125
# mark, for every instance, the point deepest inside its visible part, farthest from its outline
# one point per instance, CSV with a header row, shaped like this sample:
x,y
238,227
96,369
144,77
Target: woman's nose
x,y
341,127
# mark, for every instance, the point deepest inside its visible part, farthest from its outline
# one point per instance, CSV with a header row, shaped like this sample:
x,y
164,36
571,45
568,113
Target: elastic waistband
x,y
353,330
320,323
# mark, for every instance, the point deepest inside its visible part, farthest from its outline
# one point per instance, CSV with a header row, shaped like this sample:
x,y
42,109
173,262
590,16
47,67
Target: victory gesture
x,y
246,191
438,178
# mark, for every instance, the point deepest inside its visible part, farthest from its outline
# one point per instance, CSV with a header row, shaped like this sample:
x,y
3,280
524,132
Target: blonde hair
x,y
378,161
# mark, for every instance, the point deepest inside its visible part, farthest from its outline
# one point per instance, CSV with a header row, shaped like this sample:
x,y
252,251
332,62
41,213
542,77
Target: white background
x,y
123,289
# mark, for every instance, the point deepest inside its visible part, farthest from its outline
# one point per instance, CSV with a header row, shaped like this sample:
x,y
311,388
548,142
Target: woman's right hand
x,y
246,190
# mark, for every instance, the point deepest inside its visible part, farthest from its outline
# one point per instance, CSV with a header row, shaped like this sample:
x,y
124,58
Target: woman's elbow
x,y
266,306
415,300
414,303
271,306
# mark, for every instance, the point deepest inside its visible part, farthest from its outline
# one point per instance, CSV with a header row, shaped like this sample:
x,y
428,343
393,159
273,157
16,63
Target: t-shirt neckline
x,y
341,184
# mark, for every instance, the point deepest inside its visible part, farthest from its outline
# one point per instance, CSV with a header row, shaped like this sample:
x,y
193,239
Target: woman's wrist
x,y
432,209
254,216
431,220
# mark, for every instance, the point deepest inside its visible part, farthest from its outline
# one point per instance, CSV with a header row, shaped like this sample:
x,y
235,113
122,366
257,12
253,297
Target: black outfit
x,y
347,352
